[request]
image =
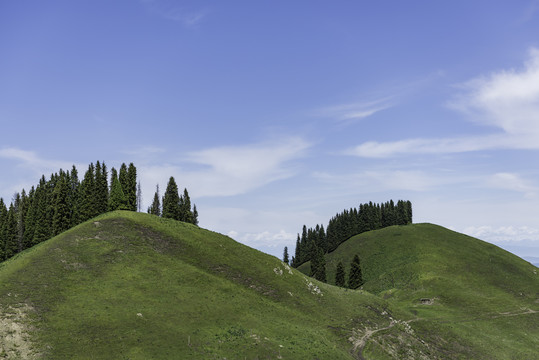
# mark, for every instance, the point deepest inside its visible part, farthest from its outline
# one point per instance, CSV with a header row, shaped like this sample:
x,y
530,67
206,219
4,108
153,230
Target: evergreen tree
x,y
42,229
130,190
155,209
60,218
139,197
185,208
117,199
340,275
3,217
86,202
285,255
195,215
355,278
171,201
9,233
101,189
30,220
73,196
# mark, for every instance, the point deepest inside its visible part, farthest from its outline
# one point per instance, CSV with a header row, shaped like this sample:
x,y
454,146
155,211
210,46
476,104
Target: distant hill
x,y
488,295
127,285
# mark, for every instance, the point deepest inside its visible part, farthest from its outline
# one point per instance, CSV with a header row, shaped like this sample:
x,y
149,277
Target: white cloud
x,y
226,170
171,11
30,160
505,100
386,180
512,182
346,113
504,233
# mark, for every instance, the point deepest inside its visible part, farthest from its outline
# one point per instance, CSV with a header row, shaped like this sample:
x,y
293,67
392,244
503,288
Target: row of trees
x,y
62,201
314,243
173,205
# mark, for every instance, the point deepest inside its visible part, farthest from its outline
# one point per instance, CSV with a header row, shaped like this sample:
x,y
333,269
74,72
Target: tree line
x,y
62,201
314,243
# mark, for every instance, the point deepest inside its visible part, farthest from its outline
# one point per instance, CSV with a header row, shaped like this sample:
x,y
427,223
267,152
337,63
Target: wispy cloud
x,y
512,182
506,100
346,113
30,160
230,170
171,11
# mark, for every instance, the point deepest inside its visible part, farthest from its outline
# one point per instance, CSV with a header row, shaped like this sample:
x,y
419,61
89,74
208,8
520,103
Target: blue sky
x,y
283,113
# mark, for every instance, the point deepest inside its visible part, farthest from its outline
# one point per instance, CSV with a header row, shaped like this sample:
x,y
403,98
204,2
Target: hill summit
x,y
126,285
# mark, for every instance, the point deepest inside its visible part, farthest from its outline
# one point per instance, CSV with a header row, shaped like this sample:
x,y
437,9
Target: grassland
x,y
135,286
483,297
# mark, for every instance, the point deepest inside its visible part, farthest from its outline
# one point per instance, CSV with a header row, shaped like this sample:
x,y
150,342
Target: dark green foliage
x,y
285,255
355,278
60,218
57,204
117,199
340,275
9,233
171,201
101,193
155,209
195,215
185,208
318,265
130,190
350,222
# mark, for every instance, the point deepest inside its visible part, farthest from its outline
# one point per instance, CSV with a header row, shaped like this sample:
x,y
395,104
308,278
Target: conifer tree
x,y
171,201
30,220
86,202
185,208
101,189
355,278
117,199
42,229
155,209
340,275
130,190
73,196
195,215
3,217
60,218
139,197
285,255
9,233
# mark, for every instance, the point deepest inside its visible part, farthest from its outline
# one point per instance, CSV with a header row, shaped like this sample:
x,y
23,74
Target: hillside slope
x,y
457,287
134,286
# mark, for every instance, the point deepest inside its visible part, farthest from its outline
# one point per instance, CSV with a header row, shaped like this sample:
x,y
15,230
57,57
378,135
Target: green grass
x,y
483,296
134,286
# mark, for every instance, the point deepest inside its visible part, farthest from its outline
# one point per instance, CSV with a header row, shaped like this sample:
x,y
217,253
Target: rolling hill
x,y
127,285
457,287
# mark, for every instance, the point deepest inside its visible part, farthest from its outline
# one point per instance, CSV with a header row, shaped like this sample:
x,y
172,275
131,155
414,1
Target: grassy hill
x,y
457,287
134,286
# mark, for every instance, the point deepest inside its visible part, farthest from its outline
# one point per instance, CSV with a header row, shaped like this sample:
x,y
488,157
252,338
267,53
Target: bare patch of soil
x,y
15,340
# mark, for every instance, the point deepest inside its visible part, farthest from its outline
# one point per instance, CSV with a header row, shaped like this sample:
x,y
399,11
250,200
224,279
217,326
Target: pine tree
x,y
318,265
355,278
155,209
117,199
42,229
130,190
340,275
285,255
3,217
195,215
60,218
139,197
171,201
101,189
86,201
185,208
73,196
9,233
